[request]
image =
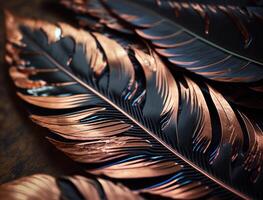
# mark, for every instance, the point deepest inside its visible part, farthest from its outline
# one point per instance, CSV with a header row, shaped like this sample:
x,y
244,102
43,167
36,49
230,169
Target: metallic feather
x,y
119,111
157,24
42,187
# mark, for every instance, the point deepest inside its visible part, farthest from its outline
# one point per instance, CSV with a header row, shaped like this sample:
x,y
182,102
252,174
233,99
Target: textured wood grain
x,y
23,147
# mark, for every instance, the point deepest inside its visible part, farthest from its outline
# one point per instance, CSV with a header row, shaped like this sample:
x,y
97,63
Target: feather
x,y
42,187
231,130
161,87
208,54
121,113
215,19
253,157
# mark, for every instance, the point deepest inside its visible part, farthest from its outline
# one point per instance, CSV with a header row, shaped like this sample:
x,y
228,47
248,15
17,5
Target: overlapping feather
x,y
121,111
196,17
187,49
158,23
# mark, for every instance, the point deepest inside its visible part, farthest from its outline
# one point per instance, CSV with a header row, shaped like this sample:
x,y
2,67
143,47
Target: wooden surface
x,y
23,147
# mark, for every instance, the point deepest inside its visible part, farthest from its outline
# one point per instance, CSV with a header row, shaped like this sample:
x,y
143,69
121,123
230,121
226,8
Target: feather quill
x,y
123,114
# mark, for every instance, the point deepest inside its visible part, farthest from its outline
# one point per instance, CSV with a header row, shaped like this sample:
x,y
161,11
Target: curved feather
x,y
253,156
144,124
227,115
105,119
197,132
158,25
160,86
120,66
42,187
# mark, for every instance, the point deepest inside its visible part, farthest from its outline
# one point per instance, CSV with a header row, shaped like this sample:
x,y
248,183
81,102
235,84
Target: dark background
x,y
23,147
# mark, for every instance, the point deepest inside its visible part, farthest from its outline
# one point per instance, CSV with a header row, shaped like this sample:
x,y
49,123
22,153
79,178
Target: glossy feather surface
x,y
115,107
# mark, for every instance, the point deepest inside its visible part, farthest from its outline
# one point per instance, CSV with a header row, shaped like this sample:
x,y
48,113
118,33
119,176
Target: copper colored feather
x,y
42,187
175,27
200,28
114,105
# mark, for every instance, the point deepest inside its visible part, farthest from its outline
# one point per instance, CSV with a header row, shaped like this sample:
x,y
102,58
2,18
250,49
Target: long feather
x,y
205,56
126,115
